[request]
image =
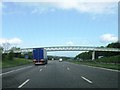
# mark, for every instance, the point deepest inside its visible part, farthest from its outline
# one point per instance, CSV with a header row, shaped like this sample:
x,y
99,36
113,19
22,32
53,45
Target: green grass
x,y
112,59
0,64
107,62
15,62
104,65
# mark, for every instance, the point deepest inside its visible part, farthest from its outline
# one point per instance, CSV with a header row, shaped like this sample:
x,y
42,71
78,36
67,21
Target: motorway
x,y
58,75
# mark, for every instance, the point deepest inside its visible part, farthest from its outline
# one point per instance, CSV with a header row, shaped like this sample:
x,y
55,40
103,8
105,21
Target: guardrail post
x,y
93,55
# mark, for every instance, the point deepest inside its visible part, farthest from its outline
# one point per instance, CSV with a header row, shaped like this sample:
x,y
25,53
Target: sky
x,y
42,24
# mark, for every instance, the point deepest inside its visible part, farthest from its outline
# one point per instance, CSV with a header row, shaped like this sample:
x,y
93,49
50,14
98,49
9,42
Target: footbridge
x,y
71,48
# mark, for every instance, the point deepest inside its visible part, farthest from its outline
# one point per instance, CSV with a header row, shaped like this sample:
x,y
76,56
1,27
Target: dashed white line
x,y
14,70
40,69
68,68
23,83
45,66
86,79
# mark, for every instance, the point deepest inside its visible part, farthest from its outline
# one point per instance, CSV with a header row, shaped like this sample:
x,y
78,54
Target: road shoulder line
x,y
14,70
102,68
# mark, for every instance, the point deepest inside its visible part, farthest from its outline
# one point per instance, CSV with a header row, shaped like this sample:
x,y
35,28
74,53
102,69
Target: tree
x,y
1,50
114,45
84,55
88,55
6,46
10,55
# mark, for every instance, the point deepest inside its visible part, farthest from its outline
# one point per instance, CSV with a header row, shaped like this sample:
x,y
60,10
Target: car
x,y
60,60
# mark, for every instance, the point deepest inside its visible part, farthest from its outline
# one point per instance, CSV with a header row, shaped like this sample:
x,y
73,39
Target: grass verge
x,y
104,65
107,62
15,62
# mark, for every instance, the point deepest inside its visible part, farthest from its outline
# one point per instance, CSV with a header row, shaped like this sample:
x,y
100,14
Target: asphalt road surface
x,y
58,75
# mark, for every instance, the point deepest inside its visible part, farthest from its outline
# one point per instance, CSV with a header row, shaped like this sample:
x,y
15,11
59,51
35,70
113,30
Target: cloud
x,y
109,38
81,7
61,0
12,41
69,43
85,7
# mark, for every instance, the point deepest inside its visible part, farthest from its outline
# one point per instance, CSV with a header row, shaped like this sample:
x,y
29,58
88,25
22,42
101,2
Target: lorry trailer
x,y
39,56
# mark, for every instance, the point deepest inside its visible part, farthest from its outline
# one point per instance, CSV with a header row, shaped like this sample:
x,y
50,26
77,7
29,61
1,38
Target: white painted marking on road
x,y
86,79
68,68
45,66
14,70
102,68
40,69
24,83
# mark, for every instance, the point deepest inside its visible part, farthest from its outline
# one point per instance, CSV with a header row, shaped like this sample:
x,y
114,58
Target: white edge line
x,y
24,83
86,79
14,70
102,68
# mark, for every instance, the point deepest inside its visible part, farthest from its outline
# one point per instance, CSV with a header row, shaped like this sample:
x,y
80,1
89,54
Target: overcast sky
x,y
27,24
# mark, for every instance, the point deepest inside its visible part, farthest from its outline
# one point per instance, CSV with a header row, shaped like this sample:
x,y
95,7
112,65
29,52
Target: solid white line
x,y
102,68
68,68
40,69
14,70
24,83
86,79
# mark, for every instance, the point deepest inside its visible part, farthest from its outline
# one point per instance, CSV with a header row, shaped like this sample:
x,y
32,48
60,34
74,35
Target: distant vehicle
x,y
100,56
52,58
39,56
60,60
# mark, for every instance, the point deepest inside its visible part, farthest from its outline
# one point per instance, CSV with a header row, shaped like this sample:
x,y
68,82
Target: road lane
x,y
102,78
12,80
61,75
55,76
15,70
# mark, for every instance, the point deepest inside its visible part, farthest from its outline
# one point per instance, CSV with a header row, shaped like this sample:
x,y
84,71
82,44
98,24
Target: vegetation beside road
x,y
12,59
102,59
112,62
15,62
98,54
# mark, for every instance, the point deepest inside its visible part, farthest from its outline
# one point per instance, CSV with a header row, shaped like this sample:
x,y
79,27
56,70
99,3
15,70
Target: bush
x,y
8,56
112,59
11,55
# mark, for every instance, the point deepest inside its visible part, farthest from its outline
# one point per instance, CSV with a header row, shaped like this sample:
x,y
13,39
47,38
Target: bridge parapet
x,y
70,48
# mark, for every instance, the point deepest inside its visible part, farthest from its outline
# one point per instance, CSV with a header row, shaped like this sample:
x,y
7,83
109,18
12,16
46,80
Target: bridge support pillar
x,y
93,55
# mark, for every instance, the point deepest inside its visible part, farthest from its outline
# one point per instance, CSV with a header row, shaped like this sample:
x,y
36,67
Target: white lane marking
x,y
86,79
68,68
24,83
102,68
14,70
45,66
40,69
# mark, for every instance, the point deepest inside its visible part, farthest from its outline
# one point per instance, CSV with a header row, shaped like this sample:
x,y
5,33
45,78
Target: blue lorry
x,y
39,56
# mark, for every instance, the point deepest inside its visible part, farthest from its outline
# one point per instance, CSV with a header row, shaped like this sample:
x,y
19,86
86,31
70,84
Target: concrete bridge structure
x,y
71,48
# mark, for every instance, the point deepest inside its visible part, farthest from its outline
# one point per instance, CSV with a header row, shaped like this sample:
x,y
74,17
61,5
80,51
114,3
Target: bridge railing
x,y
72,48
